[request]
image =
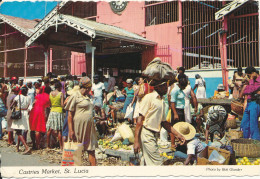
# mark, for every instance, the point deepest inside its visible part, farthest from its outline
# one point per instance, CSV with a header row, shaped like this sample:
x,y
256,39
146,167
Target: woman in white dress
x,y
189,94
201,85
22,124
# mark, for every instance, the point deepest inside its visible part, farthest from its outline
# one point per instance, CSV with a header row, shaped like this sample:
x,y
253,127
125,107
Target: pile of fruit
x,y
112,145
246,161
164,154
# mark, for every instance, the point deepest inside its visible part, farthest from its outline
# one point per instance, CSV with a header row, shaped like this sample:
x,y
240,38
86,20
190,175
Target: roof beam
x,y
229,8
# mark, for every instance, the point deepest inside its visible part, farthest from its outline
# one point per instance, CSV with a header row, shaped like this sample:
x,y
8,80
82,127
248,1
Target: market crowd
x,y
55,109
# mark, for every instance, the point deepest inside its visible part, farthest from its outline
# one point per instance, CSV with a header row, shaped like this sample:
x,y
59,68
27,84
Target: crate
x,y
204,155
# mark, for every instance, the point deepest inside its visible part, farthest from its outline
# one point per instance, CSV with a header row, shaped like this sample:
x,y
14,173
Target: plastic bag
x,y
169,116
126,132
129,112
163,135
215,156
117,136
4,123
71,155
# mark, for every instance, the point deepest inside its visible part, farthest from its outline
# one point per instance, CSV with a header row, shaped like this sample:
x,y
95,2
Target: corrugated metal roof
x,y
106,30
25,24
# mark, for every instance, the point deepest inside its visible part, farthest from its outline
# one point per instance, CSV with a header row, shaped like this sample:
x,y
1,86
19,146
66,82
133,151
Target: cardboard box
x,y
204,155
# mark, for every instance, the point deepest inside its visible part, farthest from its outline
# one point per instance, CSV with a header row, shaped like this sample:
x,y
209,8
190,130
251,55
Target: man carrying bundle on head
x,y
152,114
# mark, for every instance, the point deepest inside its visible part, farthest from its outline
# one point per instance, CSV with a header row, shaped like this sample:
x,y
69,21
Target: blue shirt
x,y
178,97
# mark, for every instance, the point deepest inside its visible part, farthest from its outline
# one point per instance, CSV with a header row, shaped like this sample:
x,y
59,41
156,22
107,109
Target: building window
x,y
160,12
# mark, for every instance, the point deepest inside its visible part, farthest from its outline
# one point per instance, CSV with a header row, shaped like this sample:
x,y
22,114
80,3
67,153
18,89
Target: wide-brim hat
x,y
185,129
75,88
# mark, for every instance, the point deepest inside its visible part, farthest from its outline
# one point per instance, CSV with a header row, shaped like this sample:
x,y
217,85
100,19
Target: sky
x,y
27,9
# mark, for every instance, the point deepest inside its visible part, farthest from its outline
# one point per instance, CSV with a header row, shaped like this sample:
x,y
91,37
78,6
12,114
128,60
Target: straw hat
x,y
185,129
75,88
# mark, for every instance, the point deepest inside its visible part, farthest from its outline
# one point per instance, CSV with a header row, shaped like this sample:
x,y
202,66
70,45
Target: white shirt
x,y
97,89
111,83
26,102
152,107
31,93
194,147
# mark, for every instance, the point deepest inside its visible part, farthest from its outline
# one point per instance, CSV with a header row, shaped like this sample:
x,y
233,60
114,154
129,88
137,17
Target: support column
x,y
25,63
92,63
50,70
180,34
223,50
45,63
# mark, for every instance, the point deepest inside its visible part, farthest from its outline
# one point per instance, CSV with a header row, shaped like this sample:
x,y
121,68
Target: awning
x,y
229,8
91,29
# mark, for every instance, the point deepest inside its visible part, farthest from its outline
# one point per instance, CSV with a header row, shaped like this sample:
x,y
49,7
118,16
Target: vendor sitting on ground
x,y
193,144
101,123
221,93
215,124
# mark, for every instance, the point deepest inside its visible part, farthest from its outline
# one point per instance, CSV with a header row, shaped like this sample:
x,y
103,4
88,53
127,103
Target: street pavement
x,y
9,157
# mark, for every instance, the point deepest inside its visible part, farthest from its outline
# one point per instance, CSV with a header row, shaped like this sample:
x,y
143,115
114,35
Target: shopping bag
x,y
129,112
72,154
169,116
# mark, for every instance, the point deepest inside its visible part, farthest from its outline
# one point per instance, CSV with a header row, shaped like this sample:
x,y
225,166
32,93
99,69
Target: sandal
x,y
27,152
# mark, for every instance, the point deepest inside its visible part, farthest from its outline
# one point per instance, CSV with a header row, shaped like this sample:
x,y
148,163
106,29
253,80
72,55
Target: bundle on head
x,y
158,71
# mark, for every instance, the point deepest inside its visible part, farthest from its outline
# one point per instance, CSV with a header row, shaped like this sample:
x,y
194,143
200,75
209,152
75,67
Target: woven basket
x,y
237,108
205,111
231,124
246,147
232,134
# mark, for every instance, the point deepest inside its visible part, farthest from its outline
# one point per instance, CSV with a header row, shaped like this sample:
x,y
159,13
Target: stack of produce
x,y
246,161
107,144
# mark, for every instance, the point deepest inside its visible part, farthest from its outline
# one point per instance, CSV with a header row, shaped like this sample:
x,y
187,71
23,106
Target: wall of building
x,y
167,34
133,20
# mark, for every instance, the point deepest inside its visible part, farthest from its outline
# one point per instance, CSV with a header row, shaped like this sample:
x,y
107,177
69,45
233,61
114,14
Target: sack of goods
x,y
71,155
157,70
126,132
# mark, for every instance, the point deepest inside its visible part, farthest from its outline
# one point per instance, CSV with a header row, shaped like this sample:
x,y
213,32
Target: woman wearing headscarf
x,y
201,85
80,119
22,102
215,124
